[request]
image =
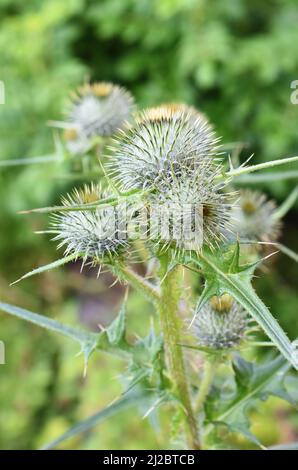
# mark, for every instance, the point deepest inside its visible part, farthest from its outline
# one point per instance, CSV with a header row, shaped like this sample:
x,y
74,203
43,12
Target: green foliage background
x,y
234,60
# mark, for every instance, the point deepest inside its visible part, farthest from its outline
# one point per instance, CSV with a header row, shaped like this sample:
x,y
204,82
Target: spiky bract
x,y
98,235
193,210
254,217
163,142
220,324
99,109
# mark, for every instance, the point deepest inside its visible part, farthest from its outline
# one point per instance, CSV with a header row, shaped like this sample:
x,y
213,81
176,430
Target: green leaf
x,y
211,288
88,341
126,401
252,382
47,267
239,286
116,331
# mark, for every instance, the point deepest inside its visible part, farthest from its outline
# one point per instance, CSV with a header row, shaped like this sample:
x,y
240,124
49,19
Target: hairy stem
x,y
209,371
138,282
260,166
167,307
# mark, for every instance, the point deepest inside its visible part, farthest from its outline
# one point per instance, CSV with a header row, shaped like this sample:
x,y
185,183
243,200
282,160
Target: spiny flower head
x,y
98,235
190,211
99,109
162,141
254,217
220,324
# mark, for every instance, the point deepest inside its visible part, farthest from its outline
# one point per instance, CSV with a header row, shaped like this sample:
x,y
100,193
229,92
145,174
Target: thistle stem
x,y
282,210
209,371
167,307
138,282
260,166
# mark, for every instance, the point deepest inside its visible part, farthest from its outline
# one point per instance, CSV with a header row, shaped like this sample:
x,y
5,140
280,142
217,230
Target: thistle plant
x,y
170,194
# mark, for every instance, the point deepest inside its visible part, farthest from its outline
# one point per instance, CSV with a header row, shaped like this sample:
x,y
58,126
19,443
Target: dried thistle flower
x,y
254,217
164,141
99,109
220,324
98,235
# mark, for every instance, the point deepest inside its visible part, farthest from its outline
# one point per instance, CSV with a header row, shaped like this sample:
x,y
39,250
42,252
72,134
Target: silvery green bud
x,y
98,235
220,324
99,109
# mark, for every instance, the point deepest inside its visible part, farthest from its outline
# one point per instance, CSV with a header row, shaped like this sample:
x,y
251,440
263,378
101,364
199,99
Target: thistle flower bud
x,y
254,217
164,141
193,210
99,109
220,324
98,235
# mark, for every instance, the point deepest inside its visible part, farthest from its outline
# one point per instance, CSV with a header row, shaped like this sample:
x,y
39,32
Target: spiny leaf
x,y
126,401
211,288
47,267
116,331
260,380
252,382
88,341
234,262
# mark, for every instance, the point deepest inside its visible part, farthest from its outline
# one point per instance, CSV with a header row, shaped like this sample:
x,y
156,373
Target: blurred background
x,y
235,61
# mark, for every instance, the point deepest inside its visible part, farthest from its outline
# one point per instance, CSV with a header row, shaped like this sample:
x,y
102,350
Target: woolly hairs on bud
x,y
220,325
254,217
98,235
162,140
99,109
198,204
